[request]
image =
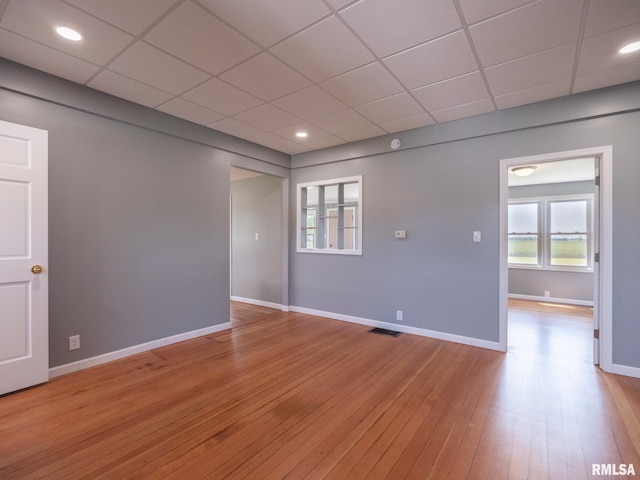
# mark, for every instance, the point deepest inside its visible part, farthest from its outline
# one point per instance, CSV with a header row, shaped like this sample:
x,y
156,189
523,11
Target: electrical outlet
x,y
399,315
547,293
74,342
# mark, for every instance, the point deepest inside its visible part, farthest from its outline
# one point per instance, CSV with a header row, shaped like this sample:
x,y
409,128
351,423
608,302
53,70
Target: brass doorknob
x,y
36,269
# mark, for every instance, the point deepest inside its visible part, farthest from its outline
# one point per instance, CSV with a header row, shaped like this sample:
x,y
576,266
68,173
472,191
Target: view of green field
x,y
565,251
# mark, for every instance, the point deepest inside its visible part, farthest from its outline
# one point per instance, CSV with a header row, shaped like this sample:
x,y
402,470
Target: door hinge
x,y
596,257
597,180
596,334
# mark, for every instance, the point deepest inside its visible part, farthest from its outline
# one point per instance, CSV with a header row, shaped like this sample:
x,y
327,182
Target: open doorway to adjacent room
x,y
552,296
258,255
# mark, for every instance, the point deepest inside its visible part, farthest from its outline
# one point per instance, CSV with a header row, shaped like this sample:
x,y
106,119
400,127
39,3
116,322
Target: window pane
x,y
523,218
351,192
568,224
569,250
312,195
568,217
523,249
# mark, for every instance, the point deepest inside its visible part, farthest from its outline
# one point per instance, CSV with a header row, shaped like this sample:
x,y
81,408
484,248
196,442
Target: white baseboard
x,y
565,301
449,337
260,303
625,370
125,352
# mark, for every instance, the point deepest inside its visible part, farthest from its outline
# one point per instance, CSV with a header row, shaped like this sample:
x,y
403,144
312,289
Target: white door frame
x,y
604,302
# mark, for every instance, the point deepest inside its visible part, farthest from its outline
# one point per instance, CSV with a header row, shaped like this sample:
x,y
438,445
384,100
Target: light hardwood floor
x,y
288,395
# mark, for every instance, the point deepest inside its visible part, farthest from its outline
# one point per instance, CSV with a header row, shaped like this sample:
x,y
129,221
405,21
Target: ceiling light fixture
x,y
523,171
302,134
630,48
69,33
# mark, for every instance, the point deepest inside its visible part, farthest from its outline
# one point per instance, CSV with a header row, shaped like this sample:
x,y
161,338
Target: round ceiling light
x,y
69,33
630,48
524,171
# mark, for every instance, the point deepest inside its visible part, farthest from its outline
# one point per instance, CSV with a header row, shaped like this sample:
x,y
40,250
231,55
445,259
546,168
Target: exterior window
x,y
524,241
553,233
330,216
568,233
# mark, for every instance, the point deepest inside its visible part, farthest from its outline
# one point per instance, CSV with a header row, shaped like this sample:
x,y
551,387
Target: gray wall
x,y
138,217
257,264
444,186
561,284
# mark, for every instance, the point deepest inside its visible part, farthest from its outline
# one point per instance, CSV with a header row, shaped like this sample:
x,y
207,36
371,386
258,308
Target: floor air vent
x,y
384,331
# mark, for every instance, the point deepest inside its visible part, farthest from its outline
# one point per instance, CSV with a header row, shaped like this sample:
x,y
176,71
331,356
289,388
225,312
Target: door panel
x,y
24,335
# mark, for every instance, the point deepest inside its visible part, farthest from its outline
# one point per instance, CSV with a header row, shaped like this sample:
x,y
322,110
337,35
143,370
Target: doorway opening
x,y
555,287
258,253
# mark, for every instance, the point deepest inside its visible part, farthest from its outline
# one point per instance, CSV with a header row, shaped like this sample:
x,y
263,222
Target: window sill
x,y
329,251
552,269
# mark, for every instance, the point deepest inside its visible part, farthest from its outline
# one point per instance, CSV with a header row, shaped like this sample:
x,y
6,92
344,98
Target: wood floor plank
x,y
289,395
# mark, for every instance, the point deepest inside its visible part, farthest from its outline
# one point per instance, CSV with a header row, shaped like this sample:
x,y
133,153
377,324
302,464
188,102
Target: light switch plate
x,y
477,236
401,234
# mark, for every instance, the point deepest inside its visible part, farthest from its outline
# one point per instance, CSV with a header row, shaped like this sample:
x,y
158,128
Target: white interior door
x,y
24,303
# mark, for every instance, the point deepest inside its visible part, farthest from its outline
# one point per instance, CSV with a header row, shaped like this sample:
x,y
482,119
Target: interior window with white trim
x,y
330,216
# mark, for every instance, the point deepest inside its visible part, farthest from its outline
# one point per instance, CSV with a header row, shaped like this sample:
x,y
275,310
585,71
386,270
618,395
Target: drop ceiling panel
x,y
268,21
36,55
266,77
36,19
222,97
310,103
605,78
363,133
131,16
267,117
197,37
389,27
475,10
391,109
323,51
289,132
408,123
532,95
462,111
235,127
341,122
432,62
601,51
128,89
532,71
190,111
605,15
363,85
533,28
450,93
150,66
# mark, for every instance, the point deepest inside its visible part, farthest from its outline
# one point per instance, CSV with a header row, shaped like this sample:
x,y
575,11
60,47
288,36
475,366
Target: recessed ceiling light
x,y
69,33
630,48
302,134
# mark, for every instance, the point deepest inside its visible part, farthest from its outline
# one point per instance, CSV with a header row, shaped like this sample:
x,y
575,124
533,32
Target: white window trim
x,y
543,232
299,249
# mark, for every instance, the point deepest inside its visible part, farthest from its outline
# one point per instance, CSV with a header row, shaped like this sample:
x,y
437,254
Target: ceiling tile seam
x,y
506,12
474,51
580,40
136,39
240,32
